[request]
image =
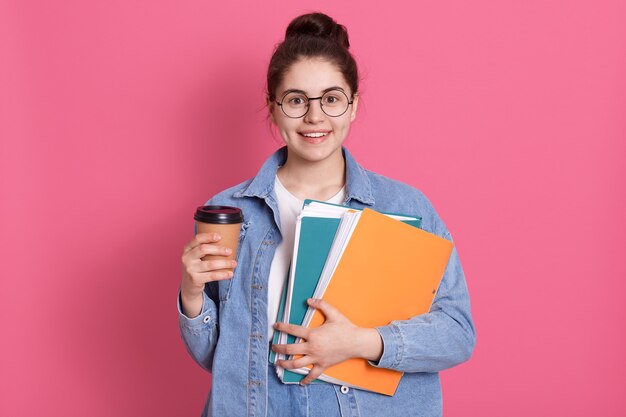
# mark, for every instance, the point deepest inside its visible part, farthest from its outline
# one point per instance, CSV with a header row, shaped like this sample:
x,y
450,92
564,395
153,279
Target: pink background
x,y
118,118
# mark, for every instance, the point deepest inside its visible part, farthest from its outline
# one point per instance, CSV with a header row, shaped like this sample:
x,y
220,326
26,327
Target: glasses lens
x,y
295,104
335,103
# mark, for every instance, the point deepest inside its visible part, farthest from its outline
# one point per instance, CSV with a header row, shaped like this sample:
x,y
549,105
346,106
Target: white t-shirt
x,y
289,207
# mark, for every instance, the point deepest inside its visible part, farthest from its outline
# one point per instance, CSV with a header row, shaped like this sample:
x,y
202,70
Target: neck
x,y
315,180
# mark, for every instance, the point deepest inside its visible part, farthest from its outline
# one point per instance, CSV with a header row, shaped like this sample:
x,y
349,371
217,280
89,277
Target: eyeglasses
x,y
295,104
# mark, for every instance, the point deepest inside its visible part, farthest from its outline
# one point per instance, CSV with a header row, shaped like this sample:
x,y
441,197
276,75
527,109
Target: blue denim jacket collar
x,y
358,185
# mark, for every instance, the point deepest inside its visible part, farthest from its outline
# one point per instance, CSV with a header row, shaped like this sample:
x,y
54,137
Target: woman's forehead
x,y
313,76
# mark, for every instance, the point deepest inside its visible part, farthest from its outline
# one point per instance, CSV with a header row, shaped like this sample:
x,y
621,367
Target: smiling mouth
x,y
314,138
313,135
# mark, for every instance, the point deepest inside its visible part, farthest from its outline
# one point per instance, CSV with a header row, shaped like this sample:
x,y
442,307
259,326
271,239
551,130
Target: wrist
x,y
188,298
189,291
368,344
191,305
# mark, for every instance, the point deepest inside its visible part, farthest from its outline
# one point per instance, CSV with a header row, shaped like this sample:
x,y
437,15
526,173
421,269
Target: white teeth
x,y
314,135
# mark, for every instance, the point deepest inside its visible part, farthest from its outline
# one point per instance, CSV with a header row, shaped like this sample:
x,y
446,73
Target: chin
x,y
316,155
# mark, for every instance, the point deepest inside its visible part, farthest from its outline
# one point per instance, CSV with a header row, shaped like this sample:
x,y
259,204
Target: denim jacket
x,y
229,337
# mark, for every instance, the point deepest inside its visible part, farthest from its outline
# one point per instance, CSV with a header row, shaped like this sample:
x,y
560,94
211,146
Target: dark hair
x,y
313,35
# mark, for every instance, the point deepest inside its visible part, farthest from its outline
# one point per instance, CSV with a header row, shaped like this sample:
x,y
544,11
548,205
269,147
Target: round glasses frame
x,y
308,104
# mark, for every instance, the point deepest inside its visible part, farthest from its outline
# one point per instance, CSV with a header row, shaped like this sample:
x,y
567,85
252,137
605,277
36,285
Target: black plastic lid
x,y
218,214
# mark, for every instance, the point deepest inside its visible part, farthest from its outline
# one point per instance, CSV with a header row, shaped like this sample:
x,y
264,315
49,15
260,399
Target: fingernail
x,y
229,251
233,263
217,236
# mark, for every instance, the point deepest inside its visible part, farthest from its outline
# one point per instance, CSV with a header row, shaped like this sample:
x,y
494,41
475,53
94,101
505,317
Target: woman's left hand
x,y
335,341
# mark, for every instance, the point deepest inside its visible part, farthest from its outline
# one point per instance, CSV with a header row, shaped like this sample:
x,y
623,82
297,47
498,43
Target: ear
x,y
355,104
271,105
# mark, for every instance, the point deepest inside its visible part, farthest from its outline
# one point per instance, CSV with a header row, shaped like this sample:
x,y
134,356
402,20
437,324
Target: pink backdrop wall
x,y
115,118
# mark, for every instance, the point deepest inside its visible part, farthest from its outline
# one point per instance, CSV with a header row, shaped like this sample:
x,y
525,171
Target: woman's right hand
x,y
197,272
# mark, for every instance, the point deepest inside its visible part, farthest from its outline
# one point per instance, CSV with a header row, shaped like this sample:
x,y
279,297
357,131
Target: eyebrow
x,y
326,90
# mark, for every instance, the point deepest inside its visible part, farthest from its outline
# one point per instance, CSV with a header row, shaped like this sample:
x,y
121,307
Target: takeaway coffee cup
x,y
224,220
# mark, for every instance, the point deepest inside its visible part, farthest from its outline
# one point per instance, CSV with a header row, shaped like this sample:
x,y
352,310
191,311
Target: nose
x,y
315,113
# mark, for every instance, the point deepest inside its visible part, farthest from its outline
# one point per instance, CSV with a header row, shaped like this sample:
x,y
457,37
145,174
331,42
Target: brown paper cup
x,y
224,220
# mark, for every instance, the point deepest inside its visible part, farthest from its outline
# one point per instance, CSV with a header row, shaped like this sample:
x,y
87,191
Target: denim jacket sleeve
x,y
200,333
437,340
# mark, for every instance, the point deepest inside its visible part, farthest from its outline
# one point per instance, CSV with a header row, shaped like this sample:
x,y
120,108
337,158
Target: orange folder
x,y
389,271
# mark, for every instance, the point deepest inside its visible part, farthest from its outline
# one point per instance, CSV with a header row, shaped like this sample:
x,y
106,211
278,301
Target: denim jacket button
x,y
344,389
206,319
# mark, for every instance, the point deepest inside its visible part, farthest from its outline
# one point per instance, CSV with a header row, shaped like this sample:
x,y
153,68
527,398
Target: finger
x,y
201,238
215,264
198,266
292,329
330,312
204,277
208,249
315,372
296,363
291,348
219,275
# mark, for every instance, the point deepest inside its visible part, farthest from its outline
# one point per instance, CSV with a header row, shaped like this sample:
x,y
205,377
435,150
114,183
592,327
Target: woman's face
x,y
313,76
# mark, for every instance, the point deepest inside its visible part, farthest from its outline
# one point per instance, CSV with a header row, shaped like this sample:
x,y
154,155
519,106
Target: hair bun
x,y
318,25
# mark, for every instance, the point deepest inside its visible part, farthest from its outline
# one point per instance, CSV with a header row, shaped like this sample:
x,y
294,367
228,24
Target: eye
x,y
333,98
296,100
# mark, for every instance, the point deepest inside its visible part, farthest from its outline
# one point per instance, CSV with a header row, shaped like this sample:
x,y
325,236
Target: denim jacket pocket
x,y
227,284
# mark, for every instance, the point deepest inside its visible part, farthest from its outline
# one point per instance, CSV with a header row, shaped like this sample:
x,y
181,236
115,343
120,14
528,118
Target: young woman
x,y
226,321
